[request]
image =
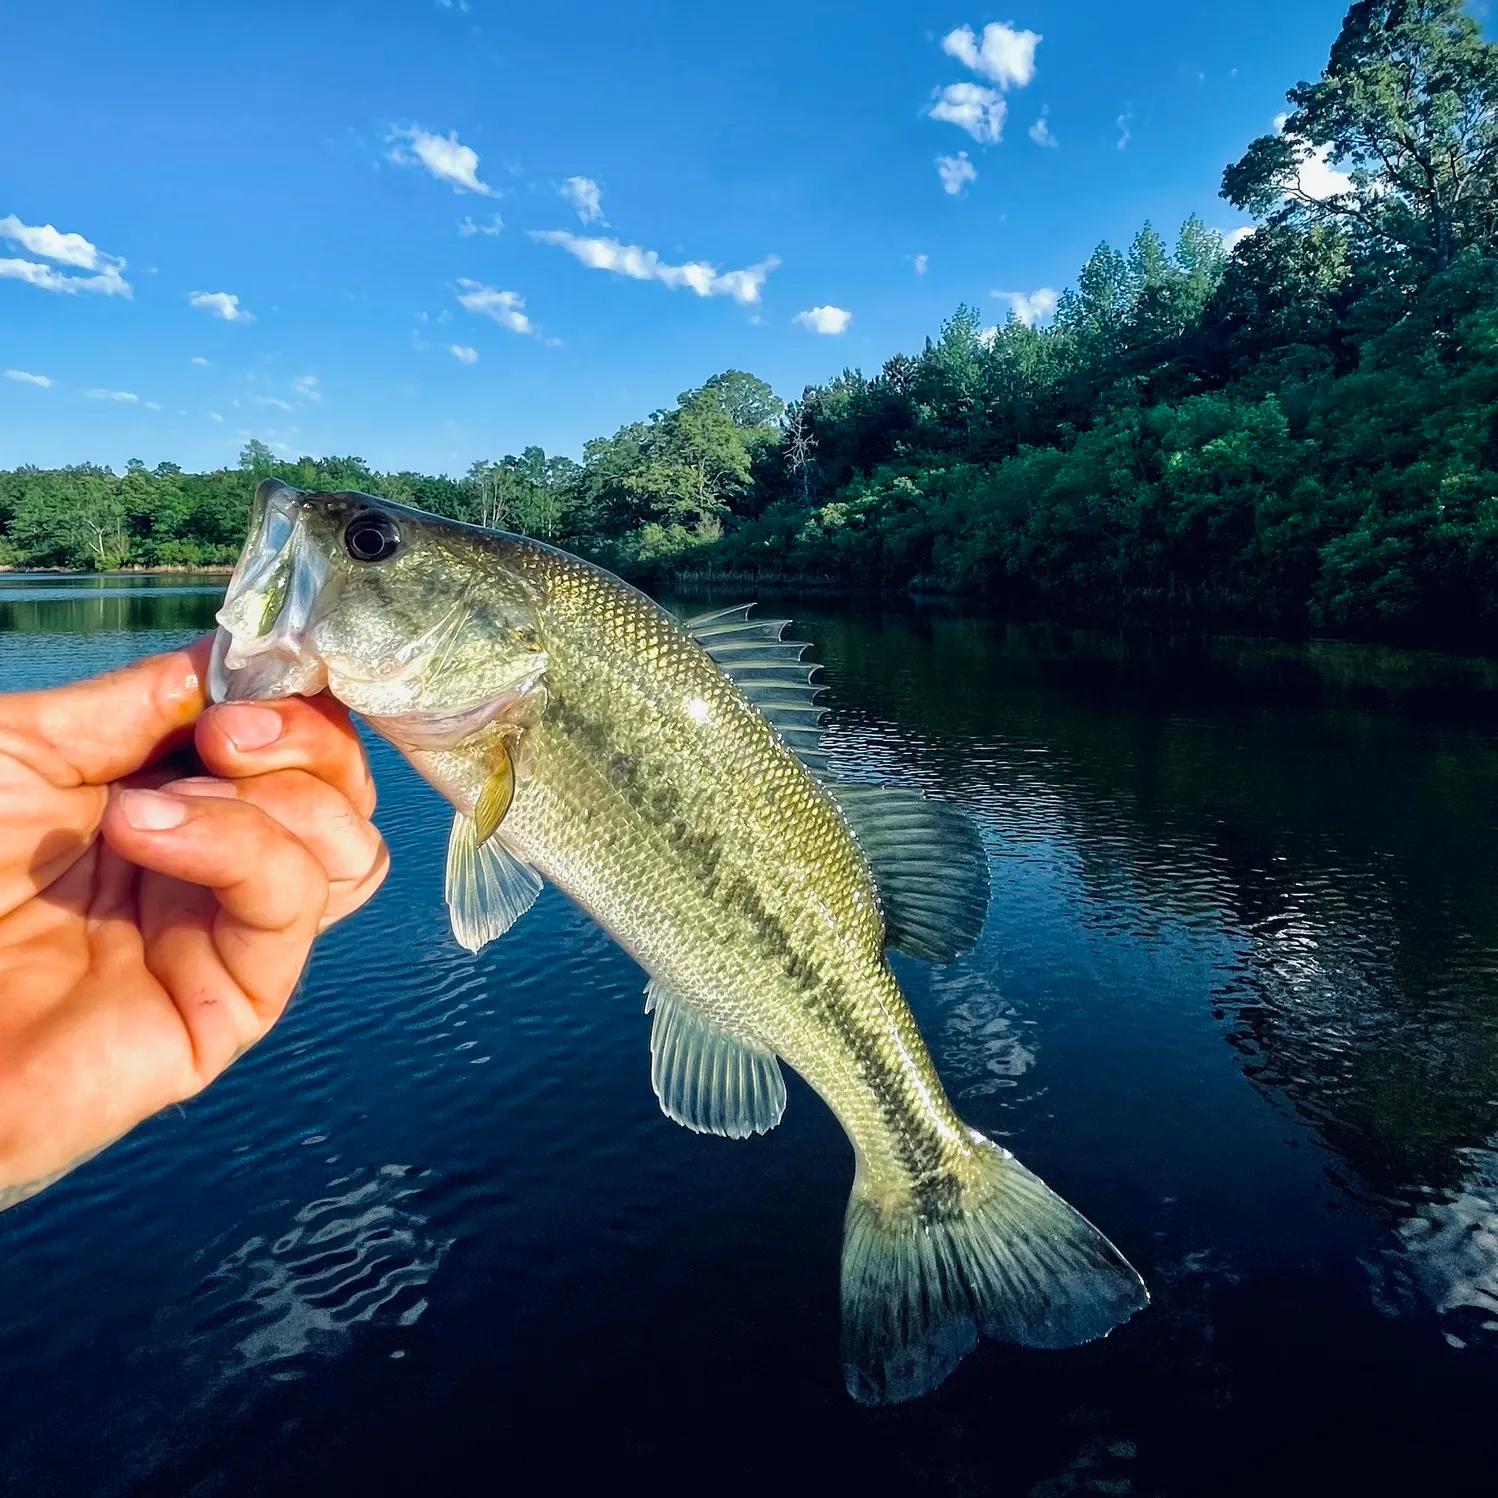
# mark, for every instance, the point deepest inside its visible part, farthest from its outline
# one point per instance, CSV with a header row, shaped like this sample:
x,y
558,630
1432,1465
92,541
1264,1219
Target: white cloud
x,y
1317,178
153,405
463,354
830,320
645,265
1232,238
26,378
1030,307
199,359
507,308
978,110
66,249
956,172
444,156
1125,134
306,387
1005,55
128,397
586,197
273,400
222,304
921,263
1040,131
467,228
107,283
214,416
53,244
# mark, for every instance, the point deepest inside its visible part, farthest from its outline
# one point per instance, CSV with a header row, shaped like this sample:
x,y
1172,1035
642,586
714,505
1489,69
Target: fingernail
x,y
250,727
150,811
203,785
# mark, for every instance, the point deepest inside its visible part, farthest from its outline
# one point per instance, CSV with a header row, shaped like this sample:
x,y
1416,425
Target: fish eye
x,y
371,538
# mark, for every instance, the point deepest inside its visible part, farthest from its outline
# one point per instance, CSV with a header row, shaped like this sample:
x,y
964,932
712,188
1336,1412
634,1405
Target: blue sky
x,y
282,219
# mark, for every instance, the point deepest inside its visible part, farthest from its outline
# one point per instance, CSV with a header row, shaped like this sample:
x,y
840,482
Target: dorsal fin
x,y
928,862
770,672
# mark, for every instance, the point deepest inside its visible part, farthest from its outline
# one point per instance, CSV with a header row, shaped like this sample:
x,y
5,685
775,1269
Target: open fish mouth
x,y
264,647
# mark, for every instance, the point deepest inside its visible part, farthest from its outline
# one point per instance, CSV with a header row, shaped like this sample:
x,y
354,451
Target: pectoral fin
x,y
705,1079
488,888
494,800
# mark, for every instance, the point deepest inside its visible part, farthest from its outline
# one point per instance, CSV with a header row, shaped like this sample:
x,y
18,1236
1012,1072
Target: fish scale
x,y
652,785
620,677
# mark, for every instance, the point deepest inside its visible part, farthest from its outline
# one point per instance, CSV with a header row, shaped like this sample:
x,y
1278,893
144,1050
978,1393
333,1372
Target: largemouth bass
x,y
668,777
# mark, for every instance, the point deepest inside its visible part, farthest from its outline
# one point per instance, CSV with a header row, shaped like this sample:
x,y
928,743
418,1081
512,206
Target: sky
x,y
428,232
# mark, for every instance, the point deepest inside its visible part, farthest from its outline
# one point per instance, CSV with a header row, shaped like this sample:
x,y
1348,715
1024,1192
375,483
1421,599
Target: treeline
x,y
640,499
1299,433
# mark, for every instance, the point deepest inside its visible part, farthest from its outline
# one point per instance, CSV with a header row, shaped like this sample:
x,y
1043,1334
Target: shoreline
x,y
213,569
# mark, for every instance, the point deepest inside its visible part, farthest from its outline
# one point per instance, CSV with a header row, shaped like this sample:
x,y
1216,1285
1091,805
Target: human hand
x,y
153,927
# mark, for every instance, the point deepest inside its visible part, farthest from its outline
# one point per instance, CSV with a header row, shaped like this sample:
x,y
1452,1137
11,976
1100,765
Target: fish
x,y
668,776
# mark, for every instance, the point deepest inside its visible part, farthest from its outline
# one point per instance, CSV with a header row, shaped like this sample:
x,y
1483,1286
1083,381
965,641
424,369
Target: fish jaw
x,y
265,647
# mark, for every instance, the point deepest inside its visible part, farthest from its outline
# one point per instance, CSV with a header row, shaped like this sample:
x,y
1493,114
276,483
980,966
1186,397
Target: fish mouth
x,y
264,646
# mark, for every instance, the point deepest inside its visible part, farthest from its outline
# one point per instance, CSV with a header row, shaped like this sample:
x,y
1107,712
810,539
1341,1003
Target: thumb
x,y
110,726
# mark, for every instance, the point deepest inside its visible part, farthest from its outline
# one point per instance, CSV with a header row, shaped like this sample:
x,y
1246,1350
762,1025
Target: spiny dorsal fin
x,y
705,1079
770,673
488,888
928,862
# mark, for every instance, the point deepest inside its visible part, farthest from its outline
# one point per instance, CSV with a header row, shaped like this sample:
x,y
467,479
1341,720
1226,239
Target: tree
x,y
800,444
749,401
1408,105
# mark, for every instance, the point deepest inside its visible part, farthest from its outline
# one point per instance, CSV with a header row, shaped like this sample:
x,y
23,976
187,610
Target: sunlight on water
x,y
357,1255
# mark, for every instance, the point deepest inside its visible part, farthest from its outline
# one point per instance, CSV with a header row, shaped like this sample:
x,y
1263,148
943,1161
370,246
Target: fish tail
x,y
1000,1254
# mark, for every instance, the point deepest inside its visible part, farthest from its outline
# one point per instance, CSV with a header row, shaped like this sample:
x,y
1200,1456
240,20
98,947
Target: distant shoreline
x,y
217,569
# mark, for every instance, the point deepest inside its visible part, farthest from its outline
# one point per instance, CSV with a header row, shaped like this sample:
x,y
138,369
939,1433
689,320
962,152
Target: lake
x,y
1237,1000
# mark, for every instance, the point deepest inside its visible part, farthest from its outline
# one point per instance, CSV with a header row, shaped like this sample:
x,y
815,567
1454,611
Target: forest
x,y
1297,433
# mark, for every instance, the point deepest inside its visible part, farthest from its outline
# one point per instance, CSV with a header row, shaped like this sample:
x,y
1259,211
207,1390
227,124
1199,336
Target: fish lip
x,y
281,661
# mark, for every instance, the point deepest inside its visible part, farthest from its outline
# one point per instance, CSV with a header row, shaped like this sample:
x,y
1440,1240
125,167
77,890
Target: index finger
x,y
110,726
240,739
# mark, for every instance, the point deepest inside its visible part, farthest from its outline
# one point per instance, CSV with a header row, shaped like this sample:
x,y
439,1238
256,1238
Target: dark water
x,y
1237,999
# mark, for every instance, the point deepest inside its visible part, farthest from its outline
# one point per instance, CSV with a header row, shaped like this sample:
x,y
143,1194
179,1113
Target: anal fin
x,y
705,1079
488,888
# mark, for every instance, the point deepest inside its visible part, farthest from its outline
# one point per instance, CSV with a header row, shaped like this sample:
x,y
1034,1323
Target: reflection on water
x,y
350,1257
1448,1252
50,604
1237,998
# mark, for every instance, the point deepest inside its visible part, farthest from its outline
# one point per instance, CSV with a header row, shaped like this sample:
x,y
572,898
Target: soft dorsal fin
x,y
706,1079
488,888
926,857
928,862
771,674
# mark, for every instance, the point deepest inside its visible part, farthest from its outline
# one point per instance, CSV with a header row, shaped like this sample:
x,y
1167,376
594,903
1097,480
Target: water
x,y
1237,999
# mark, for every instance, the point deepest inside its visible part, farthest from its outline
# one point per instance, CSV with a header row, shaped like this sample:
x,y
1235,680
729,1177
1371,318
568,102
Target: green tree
x,y
748,400
1408,106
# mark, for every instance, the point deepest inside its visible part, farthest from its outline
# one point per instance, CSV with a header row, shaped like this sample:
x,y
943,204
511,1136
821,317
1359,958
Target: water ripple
x,y
355,1256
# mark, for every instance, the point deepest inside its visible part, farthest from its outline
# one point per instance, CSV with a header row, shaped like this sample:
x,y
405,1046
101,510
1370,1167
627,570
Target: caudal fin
x,y
1008,1259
